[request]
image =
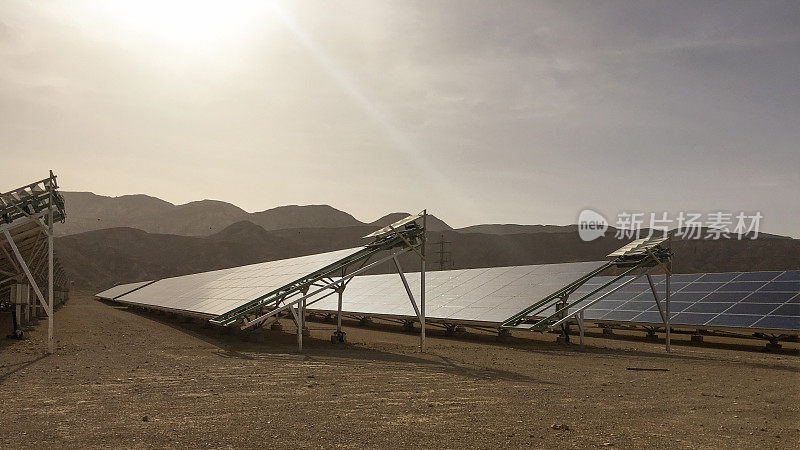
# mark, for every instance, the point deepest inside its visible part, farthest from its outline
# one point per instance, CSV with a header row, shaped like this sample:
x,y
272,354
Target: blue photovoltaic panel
x,y
758,300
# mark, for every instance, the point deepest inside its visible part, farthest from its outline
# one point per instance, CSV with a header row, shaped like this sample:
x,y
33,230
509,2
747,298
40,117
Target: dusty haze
x,y
520,113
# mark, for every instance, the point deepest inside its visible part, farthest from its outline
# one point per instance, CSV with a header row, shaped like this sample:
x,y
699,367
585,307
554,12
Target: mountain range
x,y
109,240
87,211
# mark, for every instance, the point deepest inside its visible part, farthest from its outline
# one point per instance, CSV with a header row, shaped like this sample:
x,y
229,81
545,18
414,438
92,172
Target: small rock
x,y
608,444
559,426
145,419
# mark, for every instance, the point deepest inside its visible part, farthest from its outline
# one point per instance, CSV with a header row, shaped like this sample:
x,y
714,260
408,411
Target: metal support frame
x,y
545,322
297,296
280,295
47,306
38,204
286,303
523,315
636,257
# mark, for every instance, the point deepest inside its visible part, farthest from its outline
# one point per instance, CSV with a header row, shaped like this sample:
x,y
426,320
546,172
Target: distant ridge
x,y
87,211
99,259
309,216
136,237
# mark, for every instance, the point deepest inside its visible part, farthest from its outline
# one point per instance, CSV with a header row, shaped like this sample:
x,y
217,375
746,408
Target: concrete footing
x,y
773,346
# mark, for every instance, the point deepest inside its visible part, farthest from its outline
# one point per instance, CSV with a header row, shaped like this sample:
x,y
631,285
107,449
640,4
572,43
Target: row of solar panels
x,y
488,295
755,300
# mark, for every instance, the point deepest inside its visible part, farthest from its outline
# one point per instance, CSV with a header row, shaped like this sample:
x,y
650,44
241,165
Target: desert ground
x,y
121,378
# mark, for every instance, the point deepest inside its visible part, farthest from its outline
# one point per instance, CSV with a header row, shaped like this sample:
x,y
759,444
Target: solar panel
x,y
121,289
767,300
480,295
220,291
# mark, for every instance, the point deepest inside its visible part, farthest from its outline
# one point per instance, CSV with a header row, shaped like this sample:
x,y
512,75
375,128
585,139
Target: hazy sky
x,y
520,112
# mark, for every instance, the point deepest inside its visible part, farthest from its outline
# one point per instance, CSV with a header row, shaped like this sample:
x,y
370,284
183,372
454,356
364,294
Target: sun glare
x,y
184,21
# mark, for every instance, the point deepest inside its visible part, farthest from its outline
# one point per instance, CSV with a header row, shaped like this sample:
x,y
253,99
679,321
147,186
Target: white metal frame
x,y
579,316
23,265
297,306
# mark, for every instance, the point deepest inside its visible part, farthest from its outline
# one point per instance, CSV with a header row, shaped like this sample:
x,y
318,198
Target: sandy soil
x,y
124,379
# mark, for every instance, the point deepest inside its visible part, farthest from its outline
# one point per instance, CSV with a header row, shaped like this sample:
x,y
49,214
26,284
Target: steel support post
x,y
50,346
655,297
422,285
15,299
580,326
296,316
26,300
666,318
303,316
339,315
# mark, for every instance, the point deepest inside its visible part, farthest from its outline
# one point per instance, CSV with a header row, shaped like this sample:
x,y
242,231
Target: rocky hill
x,y
101,258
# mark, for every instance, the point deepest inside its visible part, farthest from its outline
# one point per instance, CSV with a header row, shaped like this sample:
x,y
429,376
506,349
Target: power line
x,y
440,249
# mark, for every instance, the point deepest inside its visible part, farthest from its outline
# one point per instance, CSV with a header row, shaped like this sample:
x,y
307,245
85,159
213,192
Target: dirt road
x,y
122,379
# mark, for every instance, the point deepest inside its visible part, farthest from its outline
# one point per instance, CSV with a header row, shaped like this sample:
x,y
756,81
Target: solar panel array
x,y
479,295
750,300
755,300
219,291
121,289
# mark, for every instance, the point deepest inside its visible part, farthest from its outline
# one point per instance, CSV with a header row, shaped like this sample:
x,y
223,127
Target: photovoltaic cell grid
x,y
121,289
756,300
219,291
478,295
